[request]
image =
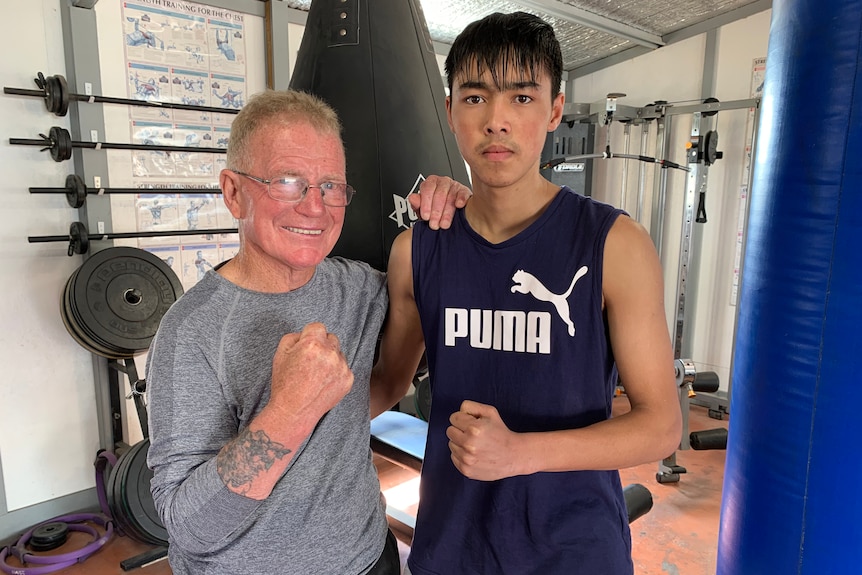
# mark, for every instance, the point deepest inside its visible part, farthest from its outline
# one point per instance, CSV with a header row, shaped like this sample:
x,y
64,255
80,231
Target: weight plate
x,y
61,143
120,295
70,321
138,499
112,490
71,326
122,497
79,239
76,191
56,95
48,536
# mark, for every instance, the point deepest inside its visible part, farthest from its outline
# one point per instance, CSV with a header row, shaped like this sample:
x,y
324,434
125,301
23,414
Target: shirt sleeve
x,y
190,421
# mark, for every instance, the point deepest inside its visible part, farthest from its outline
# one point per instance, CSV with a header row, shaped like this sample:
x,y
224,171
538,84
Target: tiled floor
x,y
677,537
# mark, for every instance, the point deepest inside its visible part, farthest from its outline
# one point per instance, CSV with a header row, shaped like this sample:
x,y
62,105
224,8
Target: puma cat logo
x,y
527,283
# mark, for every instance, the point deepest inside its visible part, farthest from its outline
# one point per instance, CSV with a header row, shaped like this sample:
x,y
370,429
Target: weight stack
x,y
373,61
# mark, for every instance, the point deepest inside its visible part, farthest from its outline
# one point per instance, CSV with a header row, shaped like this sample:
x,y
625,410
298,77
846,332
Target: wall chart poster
x,y
184,53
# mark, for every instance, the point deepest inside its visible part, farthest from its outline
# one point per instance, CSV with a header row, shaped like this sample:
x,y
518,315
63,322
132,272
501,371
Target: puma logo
x,y
527,283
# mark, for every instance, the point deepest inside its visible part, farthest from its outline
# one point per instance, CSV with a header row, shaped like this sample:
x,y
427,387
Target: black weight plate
x,y
48,536
61,148
71,322
123,510
79,239
137,496
56,95
120,295
118,506
115,499
73,330
76,190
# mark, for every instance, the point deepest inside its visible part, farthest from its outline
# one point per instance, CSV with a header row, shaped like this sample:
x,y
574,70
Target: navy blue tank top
x,y
518,325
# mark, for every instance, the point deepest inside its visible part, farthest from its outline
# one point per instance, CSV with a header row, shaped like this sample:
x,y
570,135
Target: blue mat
x,y
401,431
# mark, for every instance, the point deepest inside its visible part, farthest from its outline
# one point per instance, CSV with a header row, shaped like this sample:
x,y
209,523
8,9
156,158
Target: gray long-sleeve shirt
x,y
209,374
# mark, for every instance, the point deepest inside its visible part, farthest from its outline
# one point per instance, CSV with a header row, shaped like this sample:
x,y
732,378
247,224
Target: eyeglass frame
x,y
350,191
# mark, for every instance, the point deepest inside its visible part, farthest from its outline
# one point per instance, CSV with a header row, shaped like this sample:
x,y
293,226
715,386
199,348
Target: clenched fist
x,y
482,446
309,373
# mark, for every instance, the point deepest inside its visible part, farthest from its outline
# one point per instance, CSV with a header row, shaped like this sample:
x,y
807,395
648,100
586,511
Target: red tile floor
x,y
677,537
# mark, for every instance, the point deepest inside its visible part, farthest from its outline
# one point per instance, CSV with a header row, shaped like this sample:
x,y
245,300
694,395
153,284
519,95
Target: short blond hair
x,y
276,107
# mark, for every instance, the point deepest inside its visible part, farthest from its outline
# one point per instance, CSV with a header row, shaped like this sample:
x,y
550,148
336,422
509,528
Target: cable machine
x,y
701,152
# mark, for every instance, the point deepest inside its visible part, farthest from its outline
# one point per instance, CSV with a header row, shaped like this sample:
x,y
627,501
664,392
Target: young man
x,y
530,305
258,378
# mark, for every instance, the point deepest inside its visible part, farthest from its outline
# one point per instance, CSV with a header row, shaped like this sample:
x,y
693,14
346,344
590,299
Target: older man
x,y
259,375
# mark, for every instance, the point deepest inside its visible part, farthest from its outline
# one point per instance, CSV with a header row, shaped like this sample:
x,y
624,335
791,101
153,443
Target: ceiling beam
x,y
673,37
607,61
584,18
717,21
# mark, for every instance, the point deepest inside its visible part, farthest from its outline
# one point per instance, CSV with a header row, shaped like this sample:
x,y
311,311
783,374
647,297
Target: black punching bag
x,y
373,61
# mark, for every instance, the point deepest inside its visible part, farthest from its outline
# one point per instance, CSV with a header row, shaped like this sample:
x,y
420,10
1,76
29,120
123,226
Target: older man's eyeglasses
x,y
293,189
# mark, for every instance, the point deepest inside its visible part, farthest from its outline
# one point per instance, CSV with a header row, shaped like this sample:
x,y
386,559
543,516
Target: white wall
x,y
48,427
48,433
674,73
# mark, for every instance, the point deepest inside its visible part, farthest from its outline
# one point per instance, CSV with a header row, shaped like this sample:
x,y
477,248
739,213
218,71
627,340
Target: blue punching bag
x,y
374,62
790,501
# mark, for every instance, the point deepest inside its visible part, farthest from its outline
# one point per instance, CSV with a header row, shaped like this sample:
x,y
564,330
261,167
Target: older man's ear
x,y
231,192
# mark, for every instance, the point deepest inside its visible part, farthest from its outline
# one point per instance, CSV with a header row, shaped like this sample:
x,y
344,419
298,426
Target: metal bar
x,y
114,146
143,191
122,101
627,136
642,172
132,235
608,61
150,104
696,179
590,20
23,92
659,110
659,195
671,38
717,21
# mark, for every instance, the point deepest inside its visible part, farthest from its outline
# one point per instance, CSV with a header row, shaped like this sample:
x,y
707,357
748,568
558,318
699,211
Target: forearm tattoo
x,y
249,455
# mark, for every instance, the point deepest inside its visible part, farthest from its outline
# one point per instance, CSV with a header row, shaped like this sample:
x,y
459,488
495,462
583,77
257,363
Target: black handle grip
x,y
708,439
701,209
706,381
638,500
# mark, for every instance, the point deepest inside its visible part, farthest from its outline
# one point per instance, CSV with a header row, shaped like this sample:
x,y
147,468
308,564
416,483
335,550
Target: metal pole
x,y
118,146
627,132
132,235
142,191
122,101
660,183
642,171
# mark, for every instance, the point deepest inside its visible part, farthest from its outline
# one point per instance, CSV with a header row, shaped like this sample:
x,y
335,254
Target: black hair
x,y
507,42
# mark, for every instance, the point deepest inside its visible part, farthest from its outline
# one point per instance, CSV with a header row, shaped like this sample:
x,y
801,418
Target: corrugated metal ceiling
x,y
593,31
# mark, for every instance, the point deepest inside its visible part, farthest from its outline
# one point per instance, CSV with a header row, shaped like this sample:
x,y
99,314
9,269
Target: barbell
x,y
60,143
55,91
76,191
79,238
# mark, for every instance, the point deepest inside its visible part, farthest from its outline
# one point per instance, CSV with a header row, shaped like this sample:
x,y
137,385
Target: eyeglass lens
x,y
294,189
